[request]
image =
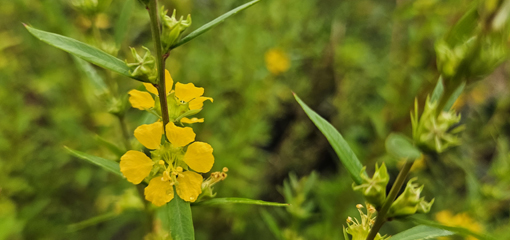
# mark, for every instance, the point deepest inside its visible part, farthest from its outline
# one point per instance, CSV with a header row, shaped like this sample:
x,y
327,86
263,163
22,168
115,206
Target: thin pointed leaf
x,y
92,75
82,50
421,232
212,23
454,97
438,90
122,24
342,149
221,201
109,165
401,147
271,224
176,218
110,146
457,230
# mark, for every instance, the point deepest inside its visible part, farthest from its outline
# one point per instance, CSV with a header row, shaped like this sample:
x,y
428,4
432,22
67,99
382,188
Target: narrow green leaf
x,y
342,149
92,75
272,224
421,232
82,50
212,23
454,97
176,218
438,90
220,201
401,147
122,24
457,230
109,165
91,222
110,146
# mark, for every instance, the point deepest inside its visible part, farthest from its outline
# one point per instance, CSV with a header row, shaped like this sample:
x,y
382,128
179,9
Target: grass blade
x,y
342,149
212,23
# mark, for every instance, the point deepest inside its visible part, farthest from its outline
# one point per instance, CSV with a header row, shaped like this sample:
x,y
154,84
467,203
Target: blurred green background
x,y
359,64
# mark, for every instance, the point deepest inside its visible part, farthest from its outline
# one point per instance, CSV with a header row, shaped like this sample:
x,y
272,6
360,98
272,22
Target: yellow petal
x,y
169,82
141,100
193,120
179,136
189,186
198,103
135,166
159,192
151,88
149,135
199,157
187,92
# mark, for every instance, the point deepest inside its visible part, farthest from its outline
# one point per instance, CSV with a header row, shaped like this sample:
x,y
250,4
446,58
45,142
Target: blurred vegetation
x,y
359,64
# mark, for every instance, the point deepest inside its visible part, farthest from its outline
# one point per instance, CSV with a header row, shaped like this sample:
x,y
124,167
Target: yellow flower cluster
x,y
176,162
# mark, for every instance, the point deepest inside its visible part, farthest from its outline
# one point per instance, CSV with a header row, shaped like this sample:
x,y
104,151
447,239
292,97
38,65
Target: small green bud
x,y
409,202
374,189
144,68
436,132
172,28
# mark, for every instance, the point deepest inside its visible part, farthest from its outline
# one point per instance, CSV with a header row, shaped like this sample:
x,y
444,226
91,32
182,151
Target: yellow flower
x,y
189,93
277,61
183,94
171,159
459,220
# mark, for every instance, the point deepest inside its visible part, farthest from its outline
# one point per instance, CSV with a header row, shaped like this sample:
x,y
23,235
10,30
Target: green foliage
x,y
421,232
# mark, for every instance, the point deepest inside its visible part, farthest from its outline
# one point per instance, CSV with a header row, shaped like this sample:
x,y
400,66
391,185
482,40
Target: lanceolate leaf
x,y
438,90
457,230
220,201
342,149
82,50
401,147
213,23
421,232
176,217
454,97
122,24
109,165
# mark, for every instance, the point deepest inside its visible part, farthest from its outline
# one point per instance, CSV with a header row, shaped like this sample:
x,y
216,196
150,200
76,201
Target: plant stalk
x,y
160,61
381,215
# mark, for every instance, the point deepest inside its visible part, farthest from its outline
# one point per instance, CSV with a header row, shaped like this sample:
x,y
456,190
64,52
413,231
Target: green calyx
x,y
374,189
409,202
172,28
436,132
143,68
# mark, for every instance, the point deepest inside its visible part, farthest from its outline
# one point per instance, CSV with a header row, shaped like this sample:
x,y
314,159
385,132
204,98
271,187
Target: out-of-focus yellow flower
x,y
184,98
171,163
277,61
459,220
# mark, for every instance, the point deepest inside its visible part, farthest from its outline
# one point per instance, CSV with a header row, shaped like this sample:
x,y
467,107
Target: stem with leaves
x,y
381,215
160,60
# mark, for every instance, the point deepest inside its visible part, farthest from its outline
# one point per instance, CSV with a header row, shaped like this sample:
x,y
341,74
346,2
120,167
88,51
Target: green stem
x,y
381,215
153,12
125,132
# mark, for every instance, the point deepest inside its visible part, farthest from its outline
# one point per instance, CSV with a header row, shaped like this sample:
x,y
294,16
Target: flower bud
x,y
172,28
360,230
409,202
374,189
144,68
434,132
